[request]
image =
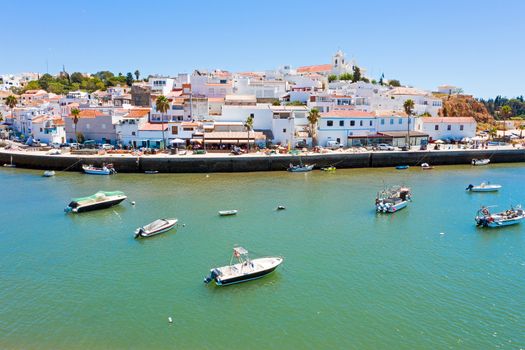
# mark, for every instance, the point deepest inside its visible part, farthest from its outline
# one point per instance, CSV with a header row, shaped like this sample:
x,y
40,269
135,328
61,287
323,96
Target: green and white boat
x,y
99,200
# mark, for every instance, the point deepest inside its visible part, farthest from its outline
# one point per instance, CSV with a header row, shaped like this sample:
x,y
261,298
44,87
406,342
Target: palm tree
x,y
408,106
313,118
506,112
521,127
75,112
493,132
248,124
11,102
137,74
162,105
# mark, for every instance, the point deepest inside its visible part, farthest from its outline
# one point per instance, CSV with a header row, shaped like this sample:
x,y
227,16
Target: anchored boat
x,y
476,161
49,173
300,168
244,270
107,169
392,199
329,169
483,187
228,212
100,200
508,217
402,167
426,166
156,227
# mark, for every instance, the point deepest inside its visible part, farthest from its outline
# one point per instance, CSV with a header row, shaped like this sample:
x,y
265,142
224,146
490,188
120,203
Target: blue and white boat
x,y
392,199
107,169
244,270
483,187
301,168
512,216
402,167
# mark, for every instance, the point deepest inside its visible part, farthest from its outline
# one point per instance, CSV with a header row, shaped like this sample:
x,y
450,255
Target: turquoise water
x,y
351,278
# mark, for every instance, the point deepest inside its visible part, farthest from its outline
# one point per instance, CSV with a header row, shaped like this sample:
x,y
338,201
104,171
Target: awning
x,y
177,141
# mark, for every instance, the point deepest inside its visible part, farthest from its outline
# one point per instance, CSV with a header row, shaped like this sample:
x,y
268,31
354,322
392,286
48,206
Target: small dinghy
x,y
151,172
49,173
329,169
228,212
155,228
107,169
244,270
508,217
483,187
281,207
402,167
426,166
480,161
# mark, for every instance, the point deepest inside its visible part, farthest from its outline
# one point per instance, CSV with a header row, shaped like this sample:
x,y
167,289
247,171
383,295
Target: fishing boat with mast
x,y
392,199
244,270
99,200
512,216
300,168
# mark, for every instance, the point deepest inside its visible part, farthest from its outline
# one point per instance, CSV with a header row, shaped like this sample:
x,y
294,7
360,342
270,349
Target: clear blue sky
x,y
477,45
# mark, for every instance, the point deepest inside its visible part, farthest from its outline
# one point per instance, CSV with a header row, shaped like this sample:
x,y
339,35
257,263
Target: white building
x,y
290,125
49,129
455,128
340,125
261,89
161,85
127,128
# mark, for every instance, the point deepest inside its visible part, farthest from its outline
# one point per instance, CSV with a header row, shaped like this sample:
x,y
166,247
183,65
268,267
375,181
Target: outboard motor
x,y
469,187
214,273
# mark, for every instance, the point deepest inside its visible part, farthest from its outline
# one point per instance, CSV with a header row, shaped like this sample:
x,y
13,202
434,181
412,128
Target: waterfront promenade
x,y
258,161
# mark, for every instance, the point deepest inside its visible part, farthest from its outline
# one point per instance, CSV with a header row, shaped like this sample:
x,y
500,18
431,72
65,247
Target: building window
x,y
342,123
133,133
461,127
391,121
370,123
449,127
329,123
352,122
360,123
382,122
436,127
174,130
252,115
400,121
284,130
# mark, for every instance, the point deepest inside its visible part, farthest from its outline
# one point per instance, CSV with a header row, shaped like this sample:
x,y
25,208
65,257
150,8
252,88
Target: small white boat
x,y
483,187
300,168
49,173
426,166
392,199
107,169
151,172
228,212
508,217
484,161
155,228
245,270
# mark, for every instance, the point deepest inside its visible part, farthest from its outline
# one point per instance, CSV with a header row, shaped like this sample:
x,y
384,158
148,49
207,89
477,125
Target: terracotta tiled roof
x,y
315,69
434,120
138,113
347,113
152,127
216,99
89,113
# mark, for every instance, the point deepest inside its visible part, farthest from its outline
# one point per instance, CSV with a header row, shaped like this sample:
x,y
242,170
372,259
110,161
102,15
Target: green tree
x,y
394,83
162,105
32,85
365,80
295,103
374,81
276,103
137,74
506,111
346,76
356,76
313,119
11,102
408,106
381,79
77,77
521,127
248,124
332,77
493,132
129,79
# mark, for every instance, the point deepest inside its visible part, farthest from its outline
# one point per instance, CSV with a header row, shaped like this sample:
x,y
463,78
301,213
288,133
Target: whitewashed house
x,y
455,128
161,85
341,125
127,128
49,129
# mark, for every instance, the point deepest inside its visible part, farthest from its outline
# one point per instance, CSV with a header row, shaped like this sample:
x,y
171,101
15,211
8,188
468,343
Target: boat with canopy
x,y
99,200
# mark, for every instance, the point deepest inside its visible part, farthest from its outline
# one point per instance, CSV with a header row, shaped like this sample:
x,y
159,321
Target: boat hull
x,y
302,169
498,223
484,189
97,172
393,208
228,213
141,233
245,278
97,206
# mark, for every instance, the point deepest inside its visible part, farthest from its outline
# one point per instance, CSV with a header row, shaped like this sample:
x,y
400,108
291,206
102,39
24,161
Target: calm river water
x,y
423,278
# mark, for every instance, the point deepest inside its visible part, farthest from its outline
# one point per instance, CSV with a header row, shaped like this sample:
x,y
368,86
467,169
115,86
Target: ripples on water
x,y
351,278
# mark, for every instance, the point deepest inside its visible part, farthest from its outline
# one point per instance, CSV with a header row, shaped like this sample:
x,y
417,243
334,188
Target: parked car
x,y
333,144
107,147
73,145
385,147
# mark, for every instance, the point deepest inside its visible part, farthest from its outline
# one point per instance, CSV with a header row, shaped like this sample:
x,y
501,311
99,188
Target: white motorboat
x,y
49,173
156,227
100,200
300,168
228,212
484,161
483,187
426,166
107,169
244,270
508,217
392,199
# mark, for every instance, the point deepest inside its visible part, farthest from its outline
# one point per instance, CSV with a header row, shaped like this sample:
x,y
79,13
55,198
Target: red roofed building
x,y
447,127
